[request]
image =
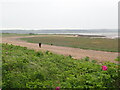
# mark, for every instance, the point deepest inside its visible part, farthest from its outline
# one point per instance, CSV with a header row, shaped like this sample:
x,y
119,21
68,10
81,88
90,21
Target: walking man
x,y
40,45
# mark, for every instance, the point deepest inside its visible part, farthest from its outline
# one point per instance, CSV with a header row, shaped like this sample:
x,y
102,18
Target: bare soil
x,y
76,53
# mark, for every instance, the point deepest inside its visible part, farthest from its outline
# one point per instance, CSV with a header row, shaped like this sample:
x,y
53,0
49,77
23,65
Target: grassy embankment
x,y
24,68
102,44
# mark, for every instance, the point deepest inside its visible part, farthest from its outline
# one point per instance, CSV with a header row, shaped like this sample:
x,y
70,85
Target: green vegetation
x,y
0,66
101,44
10,34
14,34
118,58
24,68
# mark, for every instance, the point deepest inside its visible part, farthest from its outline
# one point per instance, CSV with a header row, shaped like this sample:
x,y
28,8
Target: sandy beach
x,y
76,53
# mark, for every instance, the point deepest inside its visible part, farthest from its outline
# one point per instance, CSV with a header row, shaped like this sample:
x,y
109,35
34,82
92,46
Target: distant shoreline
x,y
73,34
92,33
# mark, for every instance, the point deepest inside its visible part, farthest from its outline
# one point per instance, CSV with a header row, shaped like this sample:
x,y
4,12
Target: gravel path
x,y
74,52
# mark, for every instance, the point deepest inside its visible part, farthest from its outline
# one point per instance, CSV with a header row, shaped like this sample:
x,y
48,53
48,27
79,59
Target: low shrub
x,y
24,68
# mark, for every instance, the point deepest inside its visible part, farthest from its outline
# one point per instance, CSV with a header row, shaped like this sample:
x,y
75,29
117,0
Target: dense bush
x,y
24,68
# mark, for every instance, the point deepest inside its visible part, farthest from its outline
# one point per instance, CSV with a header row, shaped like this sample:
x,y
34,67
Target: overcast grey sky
x,y
42,14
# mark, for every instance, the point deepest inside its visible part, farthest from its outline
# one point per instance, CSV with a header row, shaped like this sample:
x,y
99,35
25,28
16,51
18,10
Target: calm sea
x,y
110,33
